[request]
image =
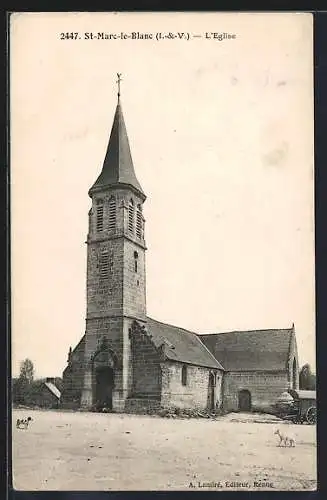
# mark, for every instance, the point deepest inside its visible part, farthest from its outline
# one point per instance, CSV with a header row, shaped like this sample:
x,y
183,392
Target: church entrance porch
x,y
103,380
104,384
244,400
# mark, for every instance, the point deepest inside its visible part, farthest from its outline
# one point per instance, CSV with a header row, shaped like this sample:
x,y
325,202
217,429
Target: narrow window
x,y
99,215
131,216
104,265
136,256
139,221
112,214
184,375
111,263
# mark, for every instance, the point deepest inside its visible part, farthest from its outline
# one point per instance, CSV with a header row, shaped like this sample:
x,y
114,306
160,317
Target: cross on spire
x,y
119,79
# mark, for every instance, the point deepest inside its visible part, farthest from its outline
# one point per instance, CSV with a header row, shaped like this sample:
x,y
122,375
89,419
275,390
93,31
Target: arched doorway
x,y
244,400
294,374
104,364
104,384
212,385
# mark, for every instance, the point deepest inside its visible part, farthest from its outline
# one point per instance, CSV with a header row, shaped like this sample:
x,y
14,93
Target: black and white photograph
x,y
162,252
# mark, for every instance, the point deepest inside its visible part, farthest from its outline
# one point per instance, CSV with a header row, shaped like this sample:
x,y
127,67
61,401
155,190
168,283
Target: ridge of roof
x,y
247,331
172,326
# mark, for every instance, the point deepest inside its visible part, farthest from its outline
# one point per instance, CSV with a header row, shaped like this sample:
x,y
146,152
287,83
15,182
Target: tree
x,y
22,386
307,379
26,371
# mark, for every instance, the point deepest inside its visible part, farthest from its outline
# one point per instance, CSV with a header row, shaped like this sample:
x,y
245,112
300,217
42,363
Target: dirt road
x,y
90,451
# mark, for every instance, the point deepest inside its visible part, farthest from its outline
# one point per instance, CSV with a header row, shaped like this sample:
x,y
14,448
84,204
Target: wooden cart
x,y
298,406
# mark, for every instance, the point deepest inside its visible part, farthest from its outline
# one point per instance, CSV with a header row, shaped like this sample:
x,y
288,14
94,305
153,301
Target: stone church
x,y
127,361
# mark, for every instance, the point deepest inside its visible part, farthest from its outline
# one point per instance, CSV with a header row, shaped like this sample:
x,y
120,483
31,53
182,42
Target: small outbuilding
x,y
47,394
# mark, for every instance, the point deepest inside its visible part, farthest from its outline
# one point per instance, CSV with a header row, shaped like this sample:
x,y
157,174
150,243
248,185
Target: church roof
x,y
251,350
180,344
118,168
254,350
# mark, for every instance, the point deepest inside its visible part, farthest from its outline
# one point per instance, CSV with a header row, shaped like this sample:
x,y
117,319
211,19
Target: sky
x,y
221,134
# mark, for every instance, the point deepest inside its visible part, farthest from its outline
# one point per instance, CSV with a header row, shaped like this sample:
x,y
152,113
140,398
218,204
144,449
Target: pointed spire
x,y
118,168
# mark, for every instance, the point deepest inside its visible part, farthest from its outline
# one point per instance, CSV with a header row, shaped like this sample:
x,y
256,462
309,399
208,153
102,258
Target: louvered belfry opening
x,y
104,265
99,215
112,214
139,221
131,216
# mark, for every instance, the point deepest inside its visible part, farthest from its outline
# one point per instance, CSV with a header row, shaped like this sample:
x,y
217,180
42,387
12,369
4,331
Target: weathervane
x,y
118,81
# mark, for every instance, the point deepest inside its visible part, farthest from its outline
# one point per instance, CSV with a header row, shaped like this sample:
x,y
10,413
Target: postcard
x,y
162,249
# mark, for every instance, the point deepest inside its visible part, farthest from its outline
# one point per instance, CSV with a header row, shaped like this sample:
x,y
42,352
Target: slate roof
x,y
118,165
251,350
181,345
231,351
52,388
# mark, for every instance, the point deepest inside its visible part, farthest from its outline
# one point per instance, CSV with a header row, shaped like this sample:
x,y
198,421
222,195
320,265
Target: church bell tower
x,y
115,273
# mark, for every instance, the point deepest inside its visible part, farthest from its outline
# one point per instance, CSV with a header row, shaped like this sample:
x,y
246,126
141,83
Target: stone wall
x,y
73,378
134,295
119,289
146,369
142,405
122,291
98,328
264,388
105,294
115,332
115,287
195,394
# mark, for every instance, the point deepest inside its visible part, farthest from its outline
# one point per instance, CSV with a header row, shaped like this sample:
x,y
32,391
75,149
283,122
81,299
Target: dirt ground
x,y
90,451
